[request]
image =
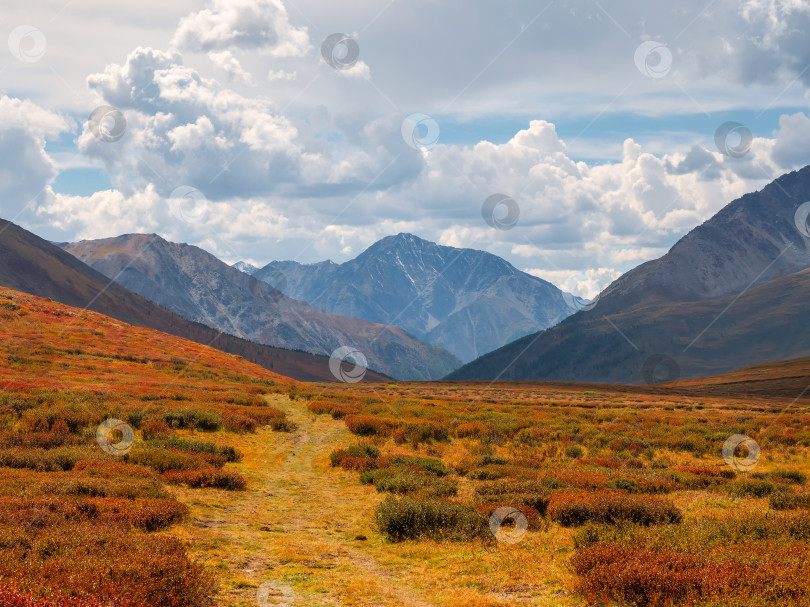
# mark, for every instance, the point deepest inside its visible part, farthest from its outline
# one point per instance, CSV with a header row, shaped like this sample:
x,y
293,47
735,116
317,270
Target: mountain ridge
x,y
467,301
198,286
684,299
35,266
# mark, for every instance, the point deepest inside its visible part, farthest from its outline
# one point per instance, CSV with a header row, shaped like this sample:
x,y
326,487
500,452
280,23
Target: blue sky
x,y
599,119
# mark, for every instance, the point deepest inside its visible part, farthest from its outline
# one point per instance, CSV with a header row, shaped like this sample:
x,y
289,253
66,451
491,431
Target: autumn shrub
x,y
651,578
163,460
613,464
283,425
785,476
194,417
156,428
361,451
39,440
723,472
574,451
320,407
472,430
789,501
11,597
573,509
112,468
230,454
60,458
751,488
407,519
238,423
207,477
425,464
149,514
367,425
423,431
534,518
93,557
342,410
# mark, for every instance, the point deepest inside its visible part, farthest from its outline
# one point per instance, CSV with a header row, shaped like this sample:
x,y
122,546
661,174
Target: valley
x,y
257,489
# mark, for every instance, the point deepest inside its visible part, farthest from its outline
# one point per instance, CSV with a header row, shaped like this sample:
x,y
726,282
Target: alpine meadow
x,y
404,304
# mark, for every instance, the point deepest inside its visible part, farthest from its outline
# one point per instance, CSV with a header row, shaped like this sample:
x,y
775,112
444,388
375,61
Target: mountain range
x,y
33,265
466,301
732,292
199,287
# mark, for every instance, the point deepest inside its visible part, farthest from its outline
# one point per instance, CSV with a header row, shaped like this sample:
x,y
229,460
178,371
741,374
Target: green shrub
x,y
406,519
789,501
164,460
751,488
230,454
200,419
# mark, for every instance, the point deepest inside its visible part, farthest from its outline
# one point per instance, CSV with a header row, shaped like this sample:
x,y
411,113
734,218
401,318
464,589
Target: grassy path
x,y
301,523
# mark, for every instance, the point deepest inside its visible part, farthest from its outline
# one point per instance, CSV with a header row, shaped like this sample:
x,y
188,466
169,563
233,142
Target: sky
x,y
575,139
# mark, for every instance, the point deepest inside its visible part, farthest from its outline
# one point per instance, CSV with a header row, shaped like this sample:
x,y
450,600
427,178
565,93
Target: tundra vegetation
x,y
384,494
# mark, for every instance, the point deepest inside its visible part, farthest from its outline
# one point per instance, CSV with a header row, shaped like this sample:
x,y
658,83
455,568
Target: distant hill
x,y
33,265
731,293
466,301
199,287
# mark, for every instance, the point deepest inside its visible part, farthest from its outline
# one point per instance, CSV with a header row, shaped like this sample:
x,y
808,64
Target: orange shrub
x,y
321,407
100,559
207,477
533,517
571,509
602,462
367,425
472,430
340,411
657,578
156,428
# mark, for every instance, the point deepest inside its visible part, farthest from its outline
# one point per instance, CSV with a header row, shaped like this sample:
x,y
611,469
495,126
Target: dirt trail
x,y
297,523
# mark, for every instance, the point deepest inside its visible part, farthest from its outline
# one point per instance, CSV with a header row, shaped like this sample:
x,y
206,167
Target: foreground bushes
x,y
207,477
407,519
651,578
10,597
142,513
99,559
572,509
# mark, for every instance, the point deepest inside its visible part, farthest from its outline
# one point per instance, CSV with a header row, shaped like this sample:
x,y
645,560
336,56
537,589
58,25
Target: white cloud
x,y
26,168
244,24
309,161
229,64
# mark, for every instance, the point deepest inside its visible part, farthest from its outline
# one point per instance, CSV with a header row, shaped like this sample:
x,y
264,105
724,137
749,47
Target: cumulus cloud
x,y
242,24
309,161
229,64
26,169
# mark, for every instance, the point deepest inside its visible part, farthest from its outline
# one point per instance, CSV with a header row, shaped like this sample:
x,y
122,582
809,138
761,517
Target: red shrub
x,y
321,407
366,425
9,597
570,509
472,430
207,477
657,578
156,428
533,517
603,462
238,423
340,411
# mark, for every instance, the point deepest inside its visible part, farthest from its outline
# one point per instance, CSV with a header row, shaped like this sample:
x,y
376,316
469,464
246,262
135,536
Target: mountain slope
x,y
466,301
198,286
33,265
728,294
